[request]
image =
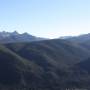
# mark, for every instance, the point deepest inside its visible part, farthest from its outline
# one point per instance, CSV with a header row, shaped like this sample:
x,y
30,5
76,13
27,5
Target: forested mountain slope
x,y
50,64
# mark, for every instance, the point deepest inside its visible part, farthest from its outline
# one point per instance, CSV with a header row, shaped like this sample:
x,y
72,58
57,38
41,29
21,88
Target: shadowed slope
x,y
59,53
49,65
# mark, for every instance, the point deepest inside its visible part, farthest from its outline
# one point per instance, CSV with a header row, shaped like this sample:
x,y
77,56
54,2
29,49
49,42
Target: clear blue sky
x,y
45,18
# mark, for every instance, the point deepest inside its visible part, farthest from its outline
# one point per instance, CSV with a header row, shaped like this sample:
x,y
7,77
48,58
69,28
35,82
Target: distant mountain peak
x,y
15,33
10,37
25,33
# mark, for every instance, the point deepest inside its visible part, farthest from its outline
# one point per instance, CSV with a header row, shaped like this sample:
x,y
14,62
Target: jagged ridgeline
x,y
12,37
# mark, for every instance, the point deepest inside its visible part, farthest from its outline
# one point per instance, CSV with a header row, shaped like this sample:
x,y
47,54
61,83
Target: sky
x,y
45,18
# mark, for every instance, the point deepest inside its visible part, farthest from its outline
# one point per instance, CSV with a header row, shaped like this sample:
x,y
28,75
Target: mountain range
x,y
57,64
80,38
12,37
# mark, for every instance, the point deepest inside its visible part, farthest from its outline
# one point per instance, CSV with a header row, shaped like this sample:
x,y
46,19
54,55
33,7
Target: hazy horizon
x,y
45,18
15,31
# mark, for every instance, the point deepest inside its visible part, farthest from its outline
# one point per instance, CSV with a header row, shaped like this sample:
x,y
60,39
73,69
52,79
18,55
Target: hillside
x,y
78,39
43,65
13,70
83,40
53,51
